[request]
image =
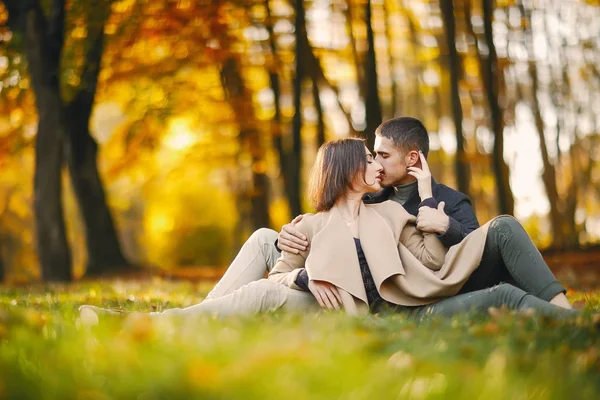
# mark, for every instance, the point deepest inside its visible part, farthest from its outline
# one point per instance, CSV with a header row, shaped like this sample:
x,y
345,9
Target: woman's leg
x,y
256,297
511,256
501,295
256,257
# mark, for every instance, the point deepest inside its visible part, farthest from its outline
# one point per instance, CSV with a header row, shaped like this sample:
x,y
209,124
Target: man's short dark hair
x,y
406,133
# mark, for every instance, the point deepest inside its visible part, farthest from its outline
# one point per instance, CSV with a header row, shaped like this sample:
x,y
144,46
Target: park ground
x,y
46,353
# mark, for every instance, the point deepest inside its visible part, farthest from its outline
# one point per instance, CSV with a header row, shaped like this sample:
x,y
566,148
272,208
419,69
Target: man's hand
x,y
327,295
433,220
291,239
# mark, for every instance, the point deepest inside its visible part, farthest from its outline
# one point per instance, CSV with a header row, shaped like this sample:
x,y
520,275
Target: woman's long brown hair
x,y
337,164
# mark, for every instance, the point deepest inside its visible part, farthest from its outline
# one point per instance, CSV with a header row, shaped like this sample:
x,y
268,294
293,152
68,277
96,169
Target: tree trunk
x,y
276,122
372,102
302,47
460,166
241,103
311,64
491,78
357,64
417,107
60,140
2,267
103,247
390,39
549,172
43,41
320,120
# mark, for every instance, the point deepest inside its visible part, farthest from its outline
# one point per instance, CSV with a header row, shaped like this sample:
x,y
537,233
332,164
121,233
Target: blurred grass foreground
x,y
46,353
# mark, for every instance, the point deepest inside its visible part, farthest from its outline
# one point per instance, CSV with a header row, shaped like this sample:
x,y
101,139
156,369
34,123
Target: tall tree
x,y
240,100
277,130
103,249
460,165
302,48
389,34
61,138
320,117
549,172
372,101
43,38
492,78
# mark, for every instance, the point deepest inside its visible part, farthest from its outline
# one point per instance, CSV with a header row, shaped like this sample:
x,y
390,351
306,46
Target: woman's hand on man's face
x,y
423,176
291,239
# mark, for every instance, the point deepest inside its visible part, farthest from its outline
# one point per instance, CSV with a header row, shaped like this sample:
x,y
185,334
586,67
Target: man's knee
x,y
505,221
507,294
505,226
264,236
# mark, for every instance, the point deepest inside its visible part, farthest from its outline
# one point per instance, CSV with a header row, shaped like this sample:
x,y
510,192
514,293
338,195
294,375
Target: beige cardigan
x,y
409,267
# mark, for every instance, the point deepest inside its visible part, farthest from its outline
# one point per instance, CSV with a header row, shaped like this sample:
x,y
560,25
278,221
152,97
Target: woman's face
x,y
372,177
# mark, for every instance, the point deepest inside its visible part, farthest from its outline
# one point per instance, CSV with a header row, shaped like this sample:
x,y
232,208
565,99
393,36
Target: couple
x,y
386,236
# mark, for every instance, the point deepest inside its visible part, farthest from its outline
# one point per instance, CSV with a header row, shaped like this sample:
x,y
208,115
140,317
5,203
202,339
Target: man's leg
x,y
511,256
256,257
501,295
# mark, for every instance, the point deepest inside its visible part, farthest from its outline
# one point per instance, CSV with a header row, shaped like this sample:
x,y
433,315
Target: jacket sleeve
x,y
462,220
289,265
424,246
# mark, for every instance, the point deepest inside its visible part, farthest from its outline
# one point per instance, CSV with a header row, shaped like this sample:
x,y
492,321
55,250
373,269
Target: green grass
x,y
45,353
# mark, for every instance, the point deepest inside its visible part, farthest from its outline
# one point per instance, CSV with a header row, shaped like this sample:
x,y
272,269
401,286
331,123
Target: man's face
x,y
394,162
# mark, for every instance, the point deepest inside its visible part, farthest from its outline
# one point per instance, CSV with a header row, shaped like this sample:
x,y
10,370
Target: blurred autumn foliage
x,y
164,132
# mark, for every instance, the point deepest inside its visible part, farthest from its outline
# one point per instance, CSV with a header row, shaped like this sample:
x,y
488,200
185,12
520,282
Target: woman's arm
x,y
426,247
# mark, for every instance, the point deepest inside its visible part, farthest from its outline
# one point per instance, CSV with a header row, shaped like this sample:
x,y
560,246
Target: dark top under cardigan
x,y
373,296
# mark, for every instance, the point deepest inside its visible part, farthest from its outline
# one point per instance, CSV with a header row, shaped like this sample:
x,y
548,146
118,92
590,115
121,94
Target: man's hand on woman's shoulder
x,y
291,239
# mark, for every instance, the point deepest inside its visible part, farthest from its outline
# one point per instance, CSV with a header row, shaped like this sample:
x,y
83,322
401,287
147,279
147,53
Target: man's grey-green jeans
x,y
512,273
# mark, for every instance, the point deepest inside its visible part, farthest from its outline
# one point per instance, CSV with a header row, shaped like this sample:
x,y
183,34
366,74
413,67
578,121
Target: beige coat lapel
x,y
333,257
379,242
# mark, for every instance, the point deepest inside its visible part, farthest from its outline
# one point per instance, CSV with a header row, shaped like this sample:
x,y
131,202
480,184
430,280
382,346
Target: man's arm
x,y
460,220
302,280
290,239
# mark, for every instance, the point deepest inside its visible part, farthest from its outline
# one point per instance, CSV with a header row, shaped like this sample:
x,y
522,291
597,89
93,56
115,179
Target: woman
x,y
407,269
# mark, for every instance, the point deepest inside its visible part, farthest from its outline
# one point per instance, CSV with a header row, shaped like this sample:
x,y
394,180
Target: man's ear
x,y
413,158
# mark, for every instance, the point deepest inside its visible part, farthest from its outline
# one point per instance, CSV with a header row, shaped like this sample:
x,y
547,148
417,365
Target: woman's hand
x,y
423,176
327,295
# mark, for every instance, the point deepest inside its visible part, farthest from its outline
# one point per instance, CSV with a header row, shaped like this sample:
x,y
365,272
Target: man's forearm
x,y
453,235
461,222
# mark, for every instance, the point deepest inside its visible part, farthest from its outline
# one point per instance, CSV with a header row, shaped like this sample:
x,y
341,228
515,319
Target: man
x,y
397,145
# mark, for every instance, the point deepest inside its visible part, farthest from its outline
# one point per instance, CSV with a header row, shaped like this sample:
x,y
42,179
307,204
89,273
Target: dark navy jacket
x,y
457,206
